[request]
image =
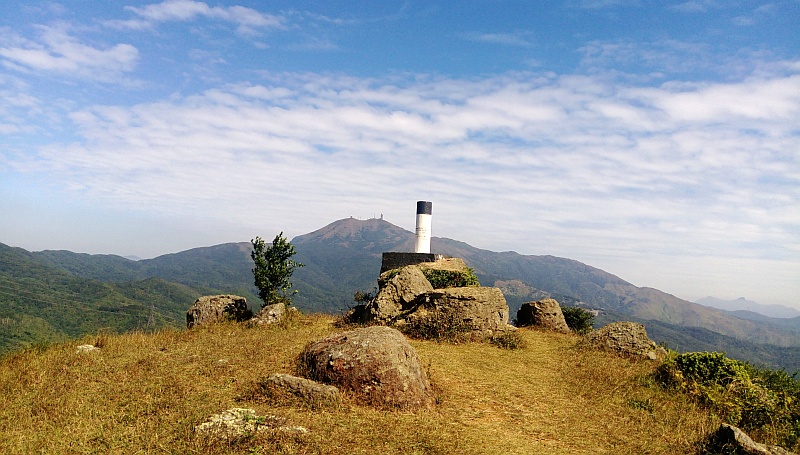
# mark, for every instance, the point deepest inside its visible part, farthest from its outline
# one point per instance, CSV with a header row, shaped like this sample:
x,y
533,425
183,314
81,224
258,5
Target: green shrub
x,y
438,326
440,279
762,402
711,367
578,320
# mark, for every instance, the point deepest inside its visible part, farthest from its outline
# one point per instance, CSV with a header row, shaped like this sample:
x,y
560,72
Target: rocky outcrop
x,y
625,338
213,308
238,423
270,314
480,309
398,292
545,314
282,387
730,439
406,298
375,364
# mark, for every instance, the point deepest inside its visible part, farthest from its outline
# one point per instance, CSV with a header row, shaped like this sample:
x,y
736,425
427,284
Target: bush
x,y
441,279
762,402
711,367
578,320
440,327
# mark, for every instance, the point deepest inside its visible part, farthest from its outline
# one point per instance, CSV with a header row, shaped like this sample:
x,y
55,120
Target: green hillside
x,y
41,303
217,269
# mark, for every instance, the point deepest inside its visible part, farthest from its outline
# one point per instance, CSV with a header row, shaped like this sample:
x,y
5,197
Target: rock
x,y
399,289
406,299
481,309
270,314
240,423
545,313
281,386
87,348
397,293
375,363
625,338
445,263
213,308
730,439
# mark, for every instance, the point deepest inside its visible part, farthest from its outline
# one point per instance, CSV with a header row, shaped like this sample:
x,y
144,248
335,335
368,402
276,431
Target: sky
x,y
656,140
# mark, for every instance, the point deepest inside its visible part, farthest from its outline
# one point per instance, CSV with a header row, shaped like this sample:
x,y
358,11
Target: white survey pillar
x,y
423,227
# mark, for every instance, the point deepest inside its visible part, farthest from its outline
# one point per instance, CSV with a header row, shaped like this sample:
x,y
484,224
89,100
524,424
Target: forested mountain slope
x,y
40,302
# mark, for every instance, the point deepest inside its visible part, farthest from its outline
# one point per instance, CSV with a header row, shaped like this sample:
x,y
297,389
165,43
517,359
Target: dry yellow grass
x,y
145,393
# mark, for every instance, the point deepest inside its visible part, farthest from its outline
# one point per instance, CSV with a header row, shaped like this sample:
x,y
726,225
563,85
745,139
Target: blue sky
x,y
659,141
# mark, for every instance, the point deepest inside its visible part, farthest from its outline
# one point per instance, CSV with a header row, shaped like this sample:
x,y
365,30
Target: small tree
x,y
578,320
273,269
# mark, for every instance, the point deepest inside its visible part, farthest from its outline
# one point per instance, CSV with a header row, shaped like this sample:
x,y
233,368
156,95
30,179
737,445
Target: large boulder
x,y
730,439
545,314
213,308
481,309
398,291
376,364
625,338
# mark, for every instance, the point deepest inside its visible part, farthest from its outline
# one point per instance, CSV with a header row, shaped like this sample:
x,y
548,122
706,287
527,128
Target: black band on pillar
x,y
424,208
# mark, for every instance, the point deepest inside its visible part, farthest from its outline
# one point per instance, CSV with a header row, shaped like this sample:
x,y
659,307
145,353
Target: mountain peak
x,y
352,228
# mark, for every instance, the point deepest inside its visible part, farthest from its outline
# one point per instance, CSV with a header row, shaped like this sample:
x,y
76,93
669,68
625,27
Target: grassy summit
x,y
145,393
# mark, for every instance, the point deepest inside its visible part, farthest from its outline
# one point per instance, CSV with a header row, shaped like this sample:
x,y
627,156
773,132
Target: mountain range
x,y
744,305
49,295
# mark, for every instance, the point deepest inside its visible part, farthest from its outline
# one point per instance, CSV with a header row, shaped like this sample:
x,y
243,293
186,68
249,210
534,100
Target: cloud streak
x,y
57,52
247,20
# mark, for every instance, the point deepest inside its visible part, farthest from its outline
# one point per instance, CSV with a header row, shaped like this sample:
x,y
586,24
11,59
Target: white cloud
x,y
248,20
695,6
588,167
518,39
774,101
57,52
314,44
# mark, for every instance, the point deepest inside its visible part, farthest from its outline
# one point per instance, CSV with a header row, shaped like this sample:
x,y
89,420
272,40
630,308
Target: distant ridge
x,y
345,256
742,304
348,252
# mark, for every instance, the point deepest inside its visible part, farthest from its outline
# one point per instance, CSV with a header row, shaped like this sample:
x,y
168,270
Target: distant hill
x,y
40,302
345,256
742,304
217,269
